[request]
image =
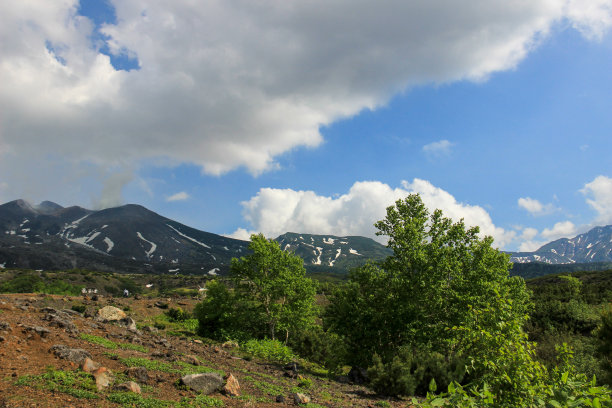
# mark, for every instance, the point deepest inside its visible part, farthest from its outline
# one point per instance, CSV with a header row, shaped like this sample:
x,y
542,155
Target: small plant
x,y
305,383
177,314
201,401
270,350
79,308
111,344
76,383
129,399
383,404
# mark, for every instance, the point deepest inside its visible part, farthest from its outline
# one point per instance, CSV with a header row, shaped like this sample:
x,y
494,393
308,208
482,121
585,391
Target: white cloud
x,y
563,229
600,191
276,211
234,84
242,234
534,207
438,149
182,196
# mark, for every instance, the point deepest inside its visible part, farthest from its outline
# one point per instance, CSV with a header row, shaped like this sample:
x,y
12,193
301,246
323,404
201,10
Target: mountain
x,y
594,246
49,236
341,253
134,239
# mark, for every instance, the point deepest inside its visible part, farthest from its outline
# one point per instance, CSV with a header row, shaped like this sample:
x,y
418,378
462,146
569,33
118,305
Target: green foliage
x,y
604,338
79,308
31,282
269,350
76,383
201,401
177,314
111,344
132,400
271,297
439,273
414,373
275,281
320,346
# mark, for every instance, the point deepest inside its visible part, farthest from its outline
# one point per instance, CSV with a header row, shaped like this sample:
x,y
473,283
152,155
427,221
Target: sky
x,y
237,117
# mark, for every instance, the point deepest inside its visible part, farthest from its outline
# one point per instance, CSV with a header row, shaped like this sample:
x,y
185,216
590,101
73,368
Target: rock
x,y
191,359
231,387
110,314
55,320
150,329
2,339
129,386
103,378
196,341
358,375
89,366
5,326
230,344
161,305
205,383
280,398
77,356
129,323
139,373
300,398
41,331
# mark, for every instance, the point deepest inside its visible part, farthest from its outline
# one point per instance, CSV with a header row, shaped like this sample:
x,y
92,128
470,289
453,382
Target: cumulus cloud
x,y
599,192
234,84
563,229
438,149
181,196
276,211
535,207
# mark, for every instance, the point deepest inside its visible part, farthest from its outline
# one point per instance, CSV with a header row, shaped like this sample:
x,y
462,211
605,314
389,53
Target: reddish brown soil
x,y
26,353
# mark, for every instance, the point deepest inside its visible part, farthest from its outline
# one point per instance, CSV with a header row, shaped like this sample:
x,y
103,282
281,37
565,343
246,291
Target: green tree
x,y
439,273
275,280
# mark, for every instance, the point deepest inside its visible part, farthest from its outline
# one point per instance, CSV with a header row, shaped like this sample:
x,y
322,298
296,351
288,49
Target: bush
x,y
270,350
414,373
177,314
320,346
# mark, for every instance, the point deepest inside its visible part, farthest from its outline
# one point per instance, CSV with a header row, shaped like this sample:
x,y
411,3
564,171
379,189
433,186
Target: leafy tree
x,y
271,296
276,281
439,274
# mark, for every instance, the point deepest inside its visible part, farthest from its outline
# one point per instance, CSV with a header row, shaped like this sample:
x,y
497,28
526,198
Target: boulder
x,y
300,398
129,386
77,356
231,387
103,378
89,366
139,373
206,383
110,314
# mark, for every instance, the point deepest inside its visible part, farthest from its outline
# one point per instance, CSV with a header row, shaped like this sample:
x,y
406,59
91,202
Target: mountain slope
x,y
592,246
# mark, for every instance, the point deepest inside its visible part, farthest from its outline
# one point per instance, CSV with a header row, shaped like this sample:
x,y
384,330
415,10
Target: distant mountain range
x,y
134,239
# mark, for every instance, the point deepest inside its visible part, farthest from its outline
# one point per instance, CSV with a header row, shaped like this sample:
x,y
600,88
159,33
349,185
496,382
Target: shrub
x,y
414,373
270,350
177,314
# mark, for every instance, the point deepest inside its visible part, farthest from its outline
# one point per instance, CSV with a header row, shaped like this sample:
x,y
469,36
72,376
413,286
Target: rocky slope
x,y
43,345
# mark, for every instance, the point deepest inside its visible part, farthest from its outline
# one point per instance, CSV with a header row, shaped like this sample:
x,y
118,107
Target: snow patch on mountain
x,y
329,241
338,252
188,237
109,243
354,252
153,245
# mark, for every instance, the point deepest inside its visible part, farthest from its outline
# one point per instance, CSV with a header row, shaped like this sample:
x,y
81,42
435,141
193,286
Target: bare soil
x,y
25,352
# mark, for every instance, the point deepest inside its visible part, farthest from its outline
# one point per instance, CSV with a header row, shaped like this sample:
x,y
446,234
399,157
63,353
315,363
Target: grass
x,y
129,399
178,367
106,343
78,384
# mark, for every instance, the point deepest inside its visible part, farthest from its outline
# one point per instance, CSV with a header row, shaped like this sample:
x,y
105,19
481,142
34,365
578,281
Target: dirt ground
x,y
27,333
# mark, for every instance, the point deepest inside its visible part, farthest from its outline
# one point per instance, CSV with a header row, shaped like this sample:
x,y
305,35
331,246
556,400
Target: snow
x,y
3,265
213,272
149,285
153,245
287,246
24,221
188,237
344,242
86,239
328,241
318,261
104,226
11,232
226,248
338,252
25,230
174,270
108,242
590,245
354,252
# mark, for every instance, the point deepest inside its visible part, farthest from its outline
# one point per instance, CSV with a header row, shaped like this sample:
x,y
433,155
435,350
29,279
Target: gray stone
x,y
139,373
77,356
41,331
5,326
205,383
129,386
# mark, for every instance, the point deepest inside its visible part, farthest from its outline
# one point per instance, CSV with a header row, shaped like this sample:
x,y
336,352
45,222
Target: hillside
x,y
41,336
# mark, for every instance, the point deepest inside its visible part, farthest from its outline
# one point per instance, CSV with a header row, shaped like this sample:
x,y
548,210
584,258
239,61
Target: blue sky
x,y
294,120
